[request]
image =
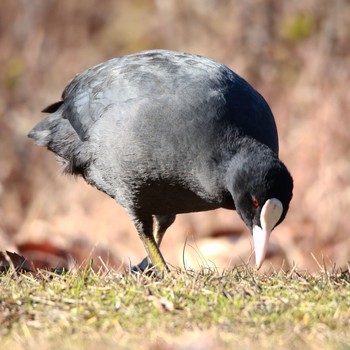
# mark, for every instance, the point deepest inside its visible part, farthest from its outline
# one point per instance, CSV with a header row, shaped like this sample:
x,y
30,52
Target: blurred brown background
x,y
297,54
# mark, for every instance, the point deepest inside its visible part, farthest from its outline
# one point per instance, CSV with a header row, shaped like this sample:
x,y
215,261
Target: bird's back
x,y
155,87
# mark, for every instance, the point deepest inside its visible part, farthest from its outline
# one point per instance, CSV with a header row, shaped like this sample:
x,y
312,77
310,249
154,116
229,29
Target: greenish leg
x,y
154,255
155,258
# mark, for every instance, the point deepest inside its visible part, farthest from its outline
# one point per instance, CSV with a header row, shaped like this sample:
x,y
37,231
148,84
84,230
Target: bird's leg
x,y
144,229
154,254
160,225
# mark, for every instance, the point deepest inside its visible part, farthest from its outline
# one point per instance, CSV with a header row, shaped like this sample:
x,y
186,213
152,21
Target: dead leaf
x,y
14,261
45,255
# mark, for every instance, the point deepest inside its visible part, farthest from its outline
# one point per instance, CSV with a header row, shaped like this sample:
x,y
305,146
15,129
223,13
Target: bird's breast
x,y
161,198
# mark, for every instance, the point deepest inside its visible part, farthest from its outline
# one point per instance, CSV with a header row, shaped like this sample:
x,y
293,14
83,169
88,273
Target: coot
x,y
166,132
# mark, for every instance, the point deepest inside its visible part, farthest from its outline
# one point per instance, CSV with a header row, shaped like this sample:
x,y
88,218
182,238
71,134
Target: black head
x,y
261,188
255,184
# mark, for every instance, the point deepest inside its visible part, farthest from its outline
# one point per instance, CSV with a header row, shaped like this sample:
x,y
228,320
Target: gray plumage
x,y
161,132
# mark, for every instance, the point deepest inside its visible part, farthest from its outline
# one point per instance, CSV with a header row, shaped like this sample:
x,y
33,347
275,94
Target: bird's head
x,y
261,187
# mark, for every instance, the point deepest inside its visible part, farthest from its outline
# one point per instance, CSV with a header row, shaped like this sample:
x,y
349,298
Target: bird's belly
x,y
163,199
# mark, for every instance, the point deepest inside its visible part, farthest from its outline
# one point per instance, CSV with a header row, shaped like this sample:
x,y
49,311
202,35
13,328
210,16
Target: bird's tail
x,y
58,135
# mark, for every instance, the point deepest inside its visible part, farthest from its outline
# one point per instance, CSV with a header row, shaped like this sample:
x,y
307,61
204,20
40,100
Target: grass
x,y
184,310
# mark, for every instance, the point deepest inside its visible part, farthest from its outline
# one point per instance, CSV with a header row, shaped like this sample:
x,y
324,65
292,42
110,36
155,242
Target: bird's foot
x,y
145,266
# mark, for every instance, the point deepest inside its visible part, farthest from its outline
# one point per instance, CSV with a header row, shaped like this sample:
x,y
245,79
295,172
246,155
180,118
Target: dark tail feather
x,y
53,107
58,135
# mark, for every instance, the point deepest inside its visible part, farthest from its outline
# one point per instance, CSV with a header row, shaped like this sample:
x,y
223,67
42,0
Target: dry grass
x,y
184,310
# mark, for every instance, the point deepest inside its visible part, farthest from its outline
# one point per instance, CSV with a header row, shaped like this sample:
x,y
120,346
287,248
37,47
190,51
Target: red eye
x,y
255,202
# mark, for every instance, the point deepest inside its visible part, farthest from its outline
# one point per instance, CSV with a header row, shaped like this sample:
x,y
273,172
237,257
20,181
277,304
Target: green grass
x,y
183,310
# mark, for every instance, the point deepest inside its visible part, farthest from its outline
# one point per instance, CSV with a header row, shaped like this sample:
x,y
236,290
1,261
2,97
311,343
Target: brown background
x,y
295,53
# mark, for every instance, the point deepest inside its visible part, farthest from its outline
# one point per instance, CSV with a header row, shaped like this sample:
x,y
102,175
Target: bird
x,y
165,132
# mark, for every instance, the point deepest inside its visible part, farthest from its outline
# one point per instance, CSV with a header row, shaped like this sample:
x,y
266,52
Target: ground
x,y
181,310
